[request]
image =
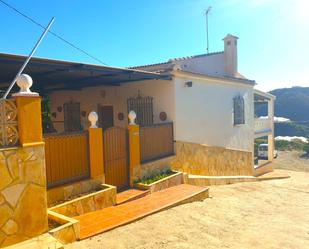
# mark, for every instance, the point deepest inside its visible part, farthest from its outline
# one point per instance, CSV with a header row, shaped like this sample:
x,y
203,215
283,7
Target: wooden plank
x,y
115,149
156,141
66,158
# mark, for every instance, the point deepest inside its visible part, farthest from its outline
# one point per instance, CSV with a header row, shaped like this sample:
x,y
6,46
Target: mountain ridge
x,y
291,103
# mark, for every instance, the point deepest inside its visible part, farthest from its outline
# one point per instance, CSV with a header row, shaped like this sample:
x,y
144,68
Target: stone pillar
x,y
29,112
271,145
134,149
23,205
96,148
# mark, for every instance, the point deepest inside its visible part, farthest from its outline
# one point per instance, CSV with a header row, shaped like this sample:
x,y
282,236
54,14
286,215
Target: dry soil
x,y
268,214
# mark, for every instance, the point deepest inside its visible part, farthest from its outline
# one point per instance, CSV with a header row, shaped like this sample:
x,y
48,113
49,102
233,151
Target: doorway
x,y
106,116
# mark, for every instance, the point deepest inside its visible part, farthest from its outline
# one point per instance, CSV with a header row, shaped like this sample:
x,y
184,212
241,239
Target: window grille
x,y
143,107
239,110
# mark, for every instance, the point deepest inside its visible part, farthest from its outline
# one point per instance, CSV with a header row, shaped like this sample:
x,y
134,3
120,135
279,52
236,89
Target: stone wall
x,y
199,159
23,205
70,191
98,200
155,167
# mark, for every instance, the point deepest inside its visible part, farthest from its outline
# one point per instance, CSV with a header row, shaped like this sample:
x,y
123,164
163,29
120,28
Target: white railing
x,y
262,124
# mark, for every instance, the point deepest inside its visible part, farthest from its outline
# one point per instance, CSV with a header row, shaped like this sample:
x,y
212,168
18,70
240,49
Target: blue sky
x,y
272,49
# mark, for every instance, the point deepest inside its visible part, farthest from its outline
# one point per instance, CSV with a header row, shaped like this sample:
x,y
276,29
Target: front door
x,y
106,116
116,157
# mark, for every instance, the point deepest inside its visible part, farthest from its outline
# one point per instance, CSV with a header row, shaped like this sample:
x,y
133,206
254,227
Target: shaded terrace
x,y
71,89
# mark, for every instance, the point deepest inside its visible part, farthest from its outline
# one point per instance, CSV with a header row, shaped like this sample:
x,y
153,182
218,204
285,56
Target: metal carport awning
x,y
52,75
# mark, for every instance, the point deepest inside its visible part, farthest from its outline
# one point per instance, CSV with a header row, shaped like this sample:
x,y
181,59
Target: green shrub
x,y
295,144
154,178
47,123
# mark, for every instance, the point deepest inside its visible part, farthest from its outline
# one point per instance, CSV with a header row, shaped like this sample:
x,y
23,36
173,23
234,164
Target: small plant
x,y
154,178
47,123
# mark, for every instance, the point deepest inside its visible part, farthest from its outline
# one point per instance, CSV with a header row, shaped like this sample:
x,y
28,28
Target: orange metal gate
x,y
116,157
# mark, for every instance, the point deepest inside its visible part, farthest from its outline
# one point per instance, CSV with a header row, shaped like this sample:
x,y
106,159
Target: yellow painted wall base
x,y
96,152
29,119
134,150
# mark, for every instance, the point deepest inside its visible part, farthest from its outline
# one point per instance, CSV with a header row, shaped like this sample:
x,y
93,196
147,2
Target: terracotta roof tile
x,y
177,59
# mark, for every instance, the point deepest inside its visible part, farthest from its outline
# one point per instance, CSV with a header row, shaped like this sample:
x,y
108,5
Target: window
x,y
239,110
143,107
72,121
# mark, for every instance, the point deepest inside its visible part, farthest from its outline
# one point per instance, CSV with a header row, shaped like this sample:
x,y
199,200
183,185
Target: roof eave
x,y
238,80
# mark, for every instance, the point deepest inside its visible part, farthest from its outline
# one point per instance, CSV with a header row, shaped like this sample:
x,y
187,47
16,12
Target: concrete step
x,y
130,195
200,180
109,218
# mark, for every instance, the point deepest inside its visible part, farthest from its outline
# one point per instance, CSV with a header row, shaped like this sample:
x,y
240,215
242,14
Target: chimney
x,y
230,55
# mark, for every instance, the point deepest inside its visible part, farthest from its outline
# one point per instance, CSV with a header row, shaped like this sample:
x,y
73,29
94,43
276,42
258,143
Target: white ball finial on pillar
x,y
132,117
24,81
93,118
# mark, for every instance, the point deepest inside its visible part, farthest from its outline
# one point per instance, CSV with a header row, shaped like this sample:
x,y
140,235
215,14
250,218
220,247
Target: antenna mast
x,y
206,13
28,58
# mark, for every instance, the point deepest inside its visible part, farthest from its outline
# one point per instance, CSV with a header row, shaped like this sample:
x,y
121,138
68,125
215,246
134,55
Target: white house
x,y
214,119
201,104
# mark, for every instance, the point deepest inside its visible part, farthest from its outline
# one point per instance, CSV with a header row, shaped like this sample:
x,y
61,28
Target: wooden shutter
x,y
72,120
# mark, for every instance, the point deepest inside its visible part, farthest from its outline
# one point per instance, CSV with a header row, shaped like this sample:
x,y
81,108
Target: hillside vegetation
x,y
291,129
292,103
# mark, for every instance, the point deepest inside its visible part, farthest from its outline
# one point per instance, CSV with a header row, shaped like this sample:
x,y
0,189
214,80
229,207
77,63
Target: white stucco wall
x,y
162,92
204,113
210,64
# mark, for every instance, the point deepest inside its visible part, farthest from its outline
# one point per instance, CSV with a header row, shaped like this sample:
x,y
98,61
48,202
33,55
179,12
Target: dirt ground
x,y
268,214
292,160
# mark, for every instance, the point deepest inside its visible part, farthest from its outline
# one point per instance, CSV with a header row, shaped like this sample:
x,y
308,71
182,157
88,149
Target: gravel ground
x,y
268,214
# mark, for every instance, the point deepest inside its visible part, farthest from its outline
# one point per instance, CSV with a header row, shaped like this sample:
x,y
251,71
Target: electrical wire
x,y
52,33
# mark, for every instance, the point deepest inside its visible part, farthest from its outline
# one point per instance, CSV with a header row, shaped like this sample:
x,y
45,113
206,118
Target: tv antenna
x,y
206,14
28,58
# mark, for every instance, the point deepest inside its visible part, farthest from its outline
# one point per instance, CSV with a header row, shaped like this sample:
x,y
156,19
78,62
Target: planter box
x,y
105,197
68,231
164,183
58,195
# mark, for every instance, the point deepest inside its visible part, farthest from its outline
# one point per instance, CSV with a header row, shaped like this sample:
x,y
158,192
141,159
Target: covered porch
x,y
70,91
264,147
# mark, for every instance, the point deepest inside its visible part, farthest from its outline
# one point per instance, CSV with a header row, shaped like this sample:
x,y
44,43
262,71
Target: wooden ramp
x,y
130,195
109,218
